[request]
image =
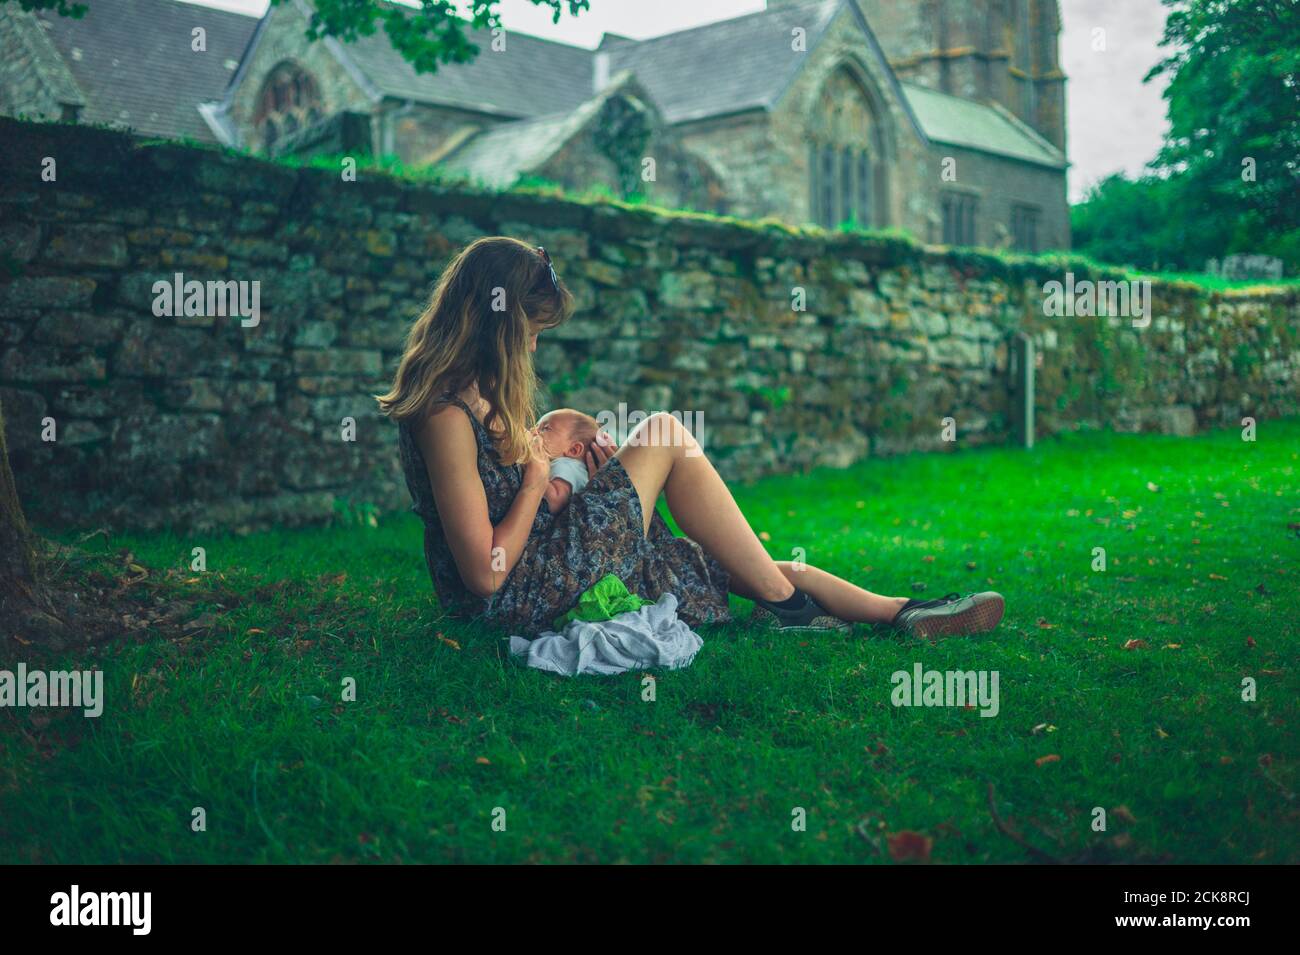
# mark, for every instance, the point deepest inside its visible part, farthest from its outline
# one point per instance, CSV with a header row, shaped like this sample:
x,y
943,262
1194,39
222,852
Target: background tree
x,y
1234,96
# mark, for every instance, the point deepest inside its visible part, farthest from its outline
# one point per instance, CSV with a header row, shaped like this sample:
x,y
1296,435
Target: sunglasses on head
x,y
555,281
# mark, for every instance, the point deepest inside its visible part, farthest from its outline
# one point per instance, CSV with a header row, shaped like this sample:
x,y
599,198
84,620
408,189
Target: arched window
x,y
846,160
289,101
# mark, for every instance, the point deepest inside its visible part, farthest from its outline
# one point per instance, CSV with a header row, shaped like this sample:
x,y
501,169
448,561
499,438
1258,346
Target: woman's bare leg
x,y
662,454
839,597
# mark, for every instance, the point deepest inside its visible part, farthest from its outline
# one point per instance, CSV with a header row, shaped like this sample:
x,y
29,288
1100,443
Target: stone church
x,y
942,118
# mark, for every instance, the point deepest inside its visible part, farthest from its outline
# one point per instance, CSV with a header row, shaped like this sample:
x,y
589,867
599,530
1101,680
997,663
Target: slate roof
x,y
529,78
722,67
742,63
987,127
133,62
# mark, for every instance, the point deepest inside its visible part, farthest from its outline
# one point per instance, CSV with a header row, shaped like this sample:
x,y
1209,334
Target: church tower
x,y
1005,51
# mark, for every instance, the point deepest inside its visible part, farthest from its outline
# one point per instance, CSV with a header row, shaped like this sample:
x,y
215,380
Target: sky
x,y
1115,122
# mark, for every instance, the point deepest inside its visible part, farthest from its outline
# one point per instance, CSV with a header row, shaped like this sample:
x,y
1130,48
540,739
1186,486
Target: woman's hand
x,y
601,450
537,470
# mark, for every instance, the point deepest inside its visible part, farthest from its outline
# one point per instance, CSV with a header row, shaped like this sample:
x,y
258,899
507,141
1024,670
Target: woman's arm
x,y
484,554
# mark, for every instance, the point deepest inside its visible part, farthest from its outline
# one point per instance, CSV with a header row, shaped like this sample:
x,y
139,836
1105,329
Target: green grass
x,y
1218,283
247,721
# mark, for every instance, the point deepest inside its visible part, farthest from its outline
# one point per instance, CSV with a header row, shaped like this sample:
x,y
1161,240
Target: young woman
x,y
464,400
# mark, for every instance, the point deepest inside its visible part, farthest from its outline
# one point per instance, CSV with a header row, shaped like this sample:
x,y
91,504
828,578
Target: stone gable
x,y
280,40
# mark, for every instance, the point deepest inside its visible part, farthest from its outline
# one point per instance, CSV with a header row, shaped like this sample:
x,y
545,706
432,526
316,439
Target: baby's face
x,y
557,434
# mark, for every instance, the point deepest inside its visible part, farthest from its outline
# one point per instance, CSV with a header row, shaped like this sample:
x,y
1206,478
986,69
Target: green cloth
x,y
606,598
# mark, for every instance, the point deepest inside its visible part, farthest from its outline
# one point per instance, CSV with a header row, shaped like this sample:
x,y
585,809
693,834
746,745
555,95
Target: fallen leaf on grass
x,y
1044,625
447,640
1250,642
1153,488
1217,577
483,761
908,846
1135,644
1049,758
1161,733
1123,814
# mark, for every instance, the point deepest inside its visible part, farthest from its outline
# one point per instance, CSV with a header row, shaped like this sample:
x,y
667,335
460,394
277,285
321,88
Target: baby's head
x,y
567,433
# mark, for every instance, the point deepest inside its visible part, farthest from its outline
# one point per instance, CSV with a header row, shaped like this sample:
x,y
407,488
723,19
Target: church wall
x,y
1000,184
753,169
421,131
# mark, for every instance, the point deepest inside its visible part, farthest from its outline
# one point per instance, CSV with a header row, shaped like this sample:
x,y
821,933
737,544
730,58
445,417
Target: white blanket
x,y
653,636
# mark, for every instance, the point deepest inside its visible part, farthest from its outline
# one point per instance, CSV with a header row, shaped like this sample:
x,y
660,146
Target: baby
x,y
566,437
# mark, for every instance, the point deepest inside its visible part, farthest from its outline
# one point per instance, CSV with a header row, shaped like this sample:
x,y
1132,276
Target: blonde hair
x,y
493,297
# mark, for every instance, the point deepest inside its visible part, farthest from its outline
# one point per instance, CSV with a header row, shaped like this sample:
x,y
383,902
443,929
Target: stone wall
x,y
202,422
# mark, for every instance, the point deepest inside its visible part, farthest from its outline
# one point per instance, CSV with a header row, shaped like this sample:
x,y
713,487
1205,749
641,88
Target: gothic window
x,y
289,101
821,162
864,186
1024,227
959,210
845,156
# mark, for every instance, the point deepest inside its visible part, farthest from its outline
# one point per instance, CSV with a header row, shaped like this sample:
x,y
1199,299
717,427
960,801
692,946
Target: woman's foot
x,y
953,614
794,614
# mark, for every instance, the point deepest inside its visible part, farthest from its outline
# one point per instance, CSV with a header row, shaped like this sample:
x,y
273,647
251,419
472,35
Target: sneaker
x,y
953,614
811,616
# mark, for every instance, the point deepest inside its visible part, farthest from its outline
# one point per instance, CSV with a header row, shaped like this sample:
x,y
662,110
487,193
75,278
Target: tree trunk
x,y
24,605
17,553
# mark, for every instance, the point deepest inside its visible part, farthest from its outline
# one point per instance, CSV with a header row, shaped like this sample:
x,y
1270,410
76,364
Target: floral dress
x,y
598,533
